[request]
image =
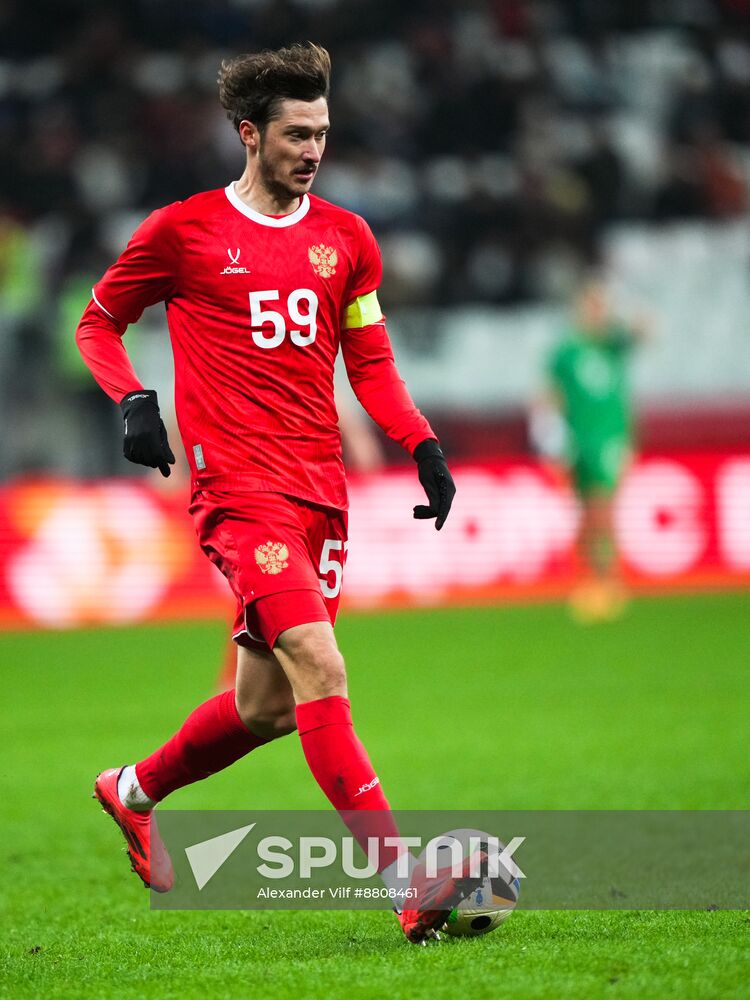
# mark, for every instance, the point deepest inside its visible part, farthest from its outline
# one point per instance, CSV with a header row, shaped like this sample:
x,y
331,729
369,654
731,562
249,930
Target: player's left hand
x,y
437,481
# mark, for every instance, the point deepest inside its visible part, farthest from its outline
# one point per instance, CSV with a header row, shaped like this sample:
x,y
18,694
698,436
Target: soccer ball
x,y
488,905
484,910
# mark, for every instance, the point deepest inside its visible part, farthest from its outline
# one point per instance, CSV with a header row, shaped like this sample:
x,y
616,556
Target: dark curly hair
x,y
252,86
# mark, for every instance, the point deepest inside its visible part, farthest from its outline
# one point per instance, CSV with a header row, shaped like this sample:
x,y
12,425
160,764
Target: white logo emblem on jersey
x,y
233,268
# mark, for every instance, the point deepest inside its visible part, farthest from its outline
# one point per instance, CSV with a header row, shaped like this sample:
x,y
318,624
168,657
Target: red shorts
x,y
283,558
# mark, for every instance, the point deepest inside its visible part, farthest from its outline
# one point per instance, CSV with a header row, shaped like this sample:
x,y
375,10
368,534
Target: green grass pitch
x,y
483,708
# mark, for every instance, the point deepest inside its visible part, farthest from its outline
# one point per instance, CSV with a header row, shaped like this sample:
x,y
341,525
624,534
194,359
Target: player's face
x,y
292,146
593,309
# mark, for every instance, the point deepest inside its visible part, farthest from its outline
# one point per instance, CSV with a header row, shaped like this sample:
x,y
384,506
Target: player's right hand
x,y
145,434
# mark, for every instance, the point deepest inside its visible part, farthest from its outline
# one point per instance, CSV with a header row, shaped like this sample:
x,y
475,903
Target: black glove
x,y
145,434
437,481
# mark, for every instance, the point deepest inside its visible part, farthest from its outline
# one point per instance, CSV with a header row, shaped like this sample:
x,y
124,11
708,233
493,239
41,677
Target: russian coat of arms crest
x,y
272,557
323,259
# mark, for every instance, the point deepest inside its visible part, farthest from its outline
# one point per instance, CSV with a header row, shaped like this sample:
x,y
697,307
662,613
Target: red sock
x,y
210,739
340,765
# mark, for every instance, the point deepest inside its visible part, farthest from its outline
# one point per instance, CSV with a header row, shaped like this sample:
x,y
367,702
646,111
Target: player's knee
x,y
317,667
325,676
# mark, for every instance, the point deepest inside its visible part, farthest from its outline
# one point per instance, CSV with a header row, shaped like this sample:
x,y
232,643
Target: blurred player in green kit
x,y
584,418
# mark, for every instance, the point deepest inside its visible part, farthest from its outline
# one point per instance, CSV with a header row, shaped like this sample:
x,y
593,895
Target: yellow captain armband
x,y
363,311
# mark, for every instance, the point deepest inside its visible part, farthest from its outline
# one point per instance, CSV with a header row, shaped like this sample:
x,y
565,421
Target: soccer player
x,y
263,284
585,419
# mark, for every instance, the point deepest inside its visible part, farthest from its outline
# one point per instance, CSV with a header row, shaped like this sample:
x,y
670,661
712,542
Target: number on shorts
x,y
332,565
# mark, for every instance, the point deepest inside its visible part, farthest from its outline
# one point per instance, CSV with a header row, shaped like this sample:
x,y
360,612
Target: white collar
x,y
267,220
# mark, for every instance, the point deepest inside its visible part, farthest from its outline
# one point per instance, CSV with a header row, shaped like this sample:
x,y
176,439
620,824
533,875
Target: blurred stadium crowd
x,y
489,144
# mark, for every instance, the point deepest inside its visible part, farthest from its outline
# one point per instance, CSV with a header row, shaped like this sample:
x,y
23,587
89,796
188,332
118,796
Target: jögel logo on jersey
x,y
233,267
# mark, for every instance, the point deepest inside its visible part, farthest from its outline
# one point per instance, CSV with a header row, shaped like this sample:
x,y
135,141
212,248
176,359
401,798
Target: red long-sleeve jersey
x,y
257,308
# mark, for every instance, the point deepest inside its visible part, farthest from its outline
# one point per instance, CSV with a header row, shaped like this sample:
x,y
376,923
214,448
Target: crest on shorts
x,y
323,259
272,557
